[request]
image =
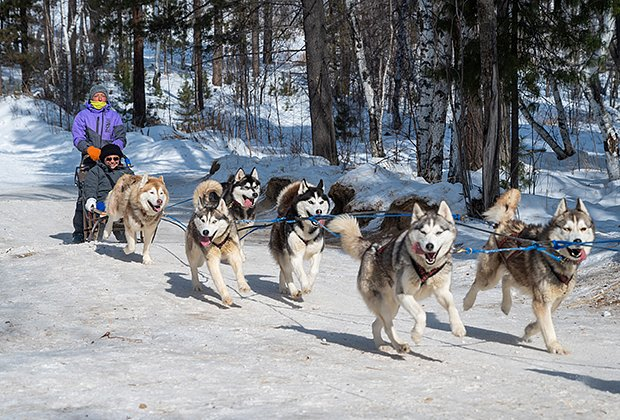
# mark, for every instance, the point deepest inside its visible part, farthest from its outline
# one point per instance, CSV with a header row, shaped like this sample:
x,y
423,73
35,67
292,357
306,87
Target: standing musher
x,y
94,126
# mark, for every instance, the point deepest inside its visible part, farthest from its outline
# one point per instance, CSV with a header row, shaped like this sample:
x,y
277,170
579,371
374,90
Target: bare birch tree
x,y
433,89
373,44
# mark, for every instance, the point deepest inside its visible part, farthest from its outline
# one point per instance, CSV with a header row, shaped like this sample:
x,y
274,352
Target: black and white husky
x,y
300,237
240,193
403,270
212,237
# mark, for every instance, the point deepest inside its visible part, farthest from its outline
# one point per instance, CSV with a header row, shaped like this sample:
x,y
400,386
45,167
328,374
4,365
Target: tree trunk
x,y
605,123
218,47
199,100
374,95
514,99
139,97
267,32
255,31
489,77
540,130
434,50
319,88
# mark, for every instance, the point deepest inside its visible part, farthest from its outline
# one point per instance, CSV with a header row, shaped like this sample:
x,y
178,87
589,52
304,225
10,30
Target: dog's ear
x,y
239,175
445,212
161,178
561,208
303,187
254,173
320,186
581,207
222,207
417,213
144,180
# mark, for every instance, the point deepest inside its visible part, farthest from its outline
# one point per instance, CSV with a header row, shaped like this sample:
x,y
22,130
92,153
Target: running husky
x,y
211,236
404,270
139,201
299,238
535,273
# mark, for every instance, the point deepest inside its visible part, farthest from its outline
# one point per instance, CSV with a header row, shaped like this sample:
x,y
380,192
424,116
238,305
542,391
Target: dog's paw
x,y
244,288
459,330
556,348
416,336
227,300
106,234
129,249
306,290
146,260
402,347
197,287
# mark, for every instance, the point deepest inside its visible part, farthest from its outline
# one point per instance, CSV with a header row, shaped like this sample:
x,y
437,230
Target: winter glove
x,y
93,152
91,204
100,206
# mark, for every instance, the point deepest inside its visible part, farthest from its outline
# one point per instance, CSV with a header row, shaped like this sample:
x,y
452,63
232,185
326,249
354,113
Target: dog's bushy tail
x,y
351,239
504,208
207,193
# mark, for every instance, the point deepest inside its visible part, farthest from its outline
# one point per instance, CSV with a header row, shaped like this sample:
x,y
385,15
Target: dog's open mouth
x,y
205,241
156,207
430,257
578,254
248,202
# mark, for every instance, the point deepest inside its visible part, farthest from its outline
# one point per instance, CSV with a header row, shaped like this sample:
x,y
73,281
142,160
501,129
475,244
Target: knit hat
x,y
95,89
110,149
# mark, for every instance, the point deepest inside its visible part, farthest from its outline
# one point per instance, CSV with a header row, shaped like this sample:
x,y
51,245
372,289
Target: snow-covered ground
x,y
86,331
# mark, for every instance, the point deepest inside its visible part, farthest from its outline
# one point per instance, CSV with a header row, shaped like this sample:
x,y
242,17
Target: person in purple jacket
x,y
94,126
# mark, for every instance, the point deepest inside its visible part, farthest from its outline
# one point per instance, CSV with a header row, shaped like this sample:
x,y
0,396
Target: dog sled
x,y
94,222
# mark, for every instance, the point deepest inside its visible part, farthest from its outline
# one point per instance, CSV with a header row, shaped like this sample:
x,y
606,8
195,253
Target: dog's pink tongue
x,y
248,203
582,255
205,242
321,222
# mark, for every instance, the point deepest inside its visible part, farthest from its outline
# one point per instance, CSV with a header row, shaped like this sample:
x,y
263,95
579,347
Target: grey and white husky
x,y
212,236
535,273
299,238
404,270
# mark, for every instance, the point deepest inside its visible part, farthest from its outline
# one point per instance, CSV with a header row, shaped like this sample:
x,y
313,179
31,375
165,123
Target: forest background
x,y
452,78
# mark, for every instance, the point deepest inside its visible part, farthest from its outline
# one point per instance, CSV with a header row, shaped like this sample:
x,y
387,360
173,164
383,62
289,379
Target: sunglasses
x,y
112,159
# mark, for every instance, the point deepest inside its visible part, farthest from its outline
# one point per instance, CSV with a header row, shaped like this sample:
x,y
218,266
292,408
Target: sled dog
x,y
403,270
241,192
140,202
547,280
299,238
212,237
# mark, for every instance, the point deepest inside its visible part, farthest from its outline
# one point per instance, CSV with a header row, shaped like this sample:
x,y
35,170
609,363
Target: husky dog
x,y
404,270
211,236
240,194
139,201
300,237
535,273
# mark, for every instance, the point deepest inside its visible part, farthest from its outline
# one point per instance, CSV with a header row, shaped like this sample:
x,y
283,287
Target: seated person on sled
x,y
95,126
101,178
